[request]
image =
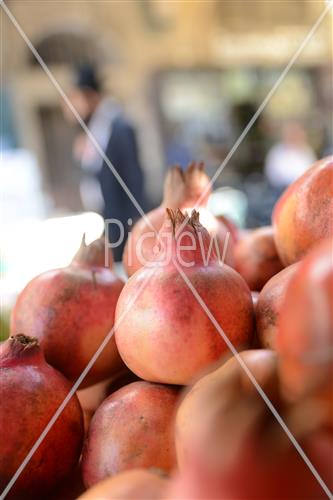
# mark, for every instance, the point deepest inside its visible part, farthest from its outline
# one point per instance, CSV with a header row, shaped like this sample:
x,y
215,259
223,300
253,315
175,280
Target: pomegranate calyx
x,y
23,341
174,187
177,219
92,255
196,184
18,348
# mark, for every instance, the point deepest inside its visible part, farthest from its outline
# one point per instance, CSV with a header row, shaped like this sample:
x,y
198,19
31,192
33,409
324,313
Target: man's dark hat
x,y
87,78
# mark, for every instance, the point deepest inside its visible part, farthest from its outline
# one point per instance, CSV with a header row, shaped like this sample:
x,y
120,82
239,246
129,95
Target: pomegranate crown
x,y
92,255
178,219
19,347
191,240
185,188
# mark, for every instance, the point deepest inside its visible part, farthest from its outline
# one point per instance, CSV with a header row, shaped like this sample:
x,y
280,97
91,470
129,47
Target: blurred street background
x,y
189,75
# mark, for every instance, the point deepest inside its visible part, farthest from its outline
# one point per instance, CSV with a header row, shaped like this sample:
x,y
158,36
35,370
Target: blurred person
x,y
290,158
100,190
176,151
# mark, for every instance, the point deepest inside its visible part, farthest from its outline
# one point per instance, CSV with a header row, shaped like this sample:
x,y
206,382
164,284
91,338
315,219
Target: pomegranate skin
x,y
264,475
215,385
232,434
269,305
135,484
234,230
303,215
93,396
70,311
256,257
166,322
132,428
305,333
31,392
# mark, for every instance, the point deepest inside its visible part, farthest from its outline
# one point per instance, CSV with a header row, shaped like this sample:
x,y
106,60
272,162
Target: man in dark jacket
x,y
100,190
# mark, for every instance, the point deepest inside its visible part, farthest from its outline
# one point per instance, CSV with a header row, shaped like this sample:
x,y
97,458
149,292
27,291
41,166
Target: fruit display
x,y
70,311
216,380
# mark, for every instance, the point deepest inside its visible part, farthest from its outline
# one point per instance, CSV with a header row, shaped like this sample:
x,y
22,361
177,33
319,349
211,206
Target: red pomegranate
x,y
305,334
93,396
70,311
234,230
269,305
190,423
237,449
256,257
167,336
304,214
135,484
181,190
132,428
31,392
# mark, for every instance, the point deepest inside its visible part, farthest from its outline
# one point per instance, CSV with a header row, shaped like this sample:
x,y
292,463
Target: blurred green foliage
x,y
4,326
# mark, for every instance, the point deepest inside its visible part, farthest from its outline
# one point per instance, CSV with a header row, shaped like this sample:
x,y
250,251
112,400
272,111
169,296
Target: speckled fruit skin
x,y
70,311
269,304
132,428
305,335
256,257
304,214
31,392
167,336
135,484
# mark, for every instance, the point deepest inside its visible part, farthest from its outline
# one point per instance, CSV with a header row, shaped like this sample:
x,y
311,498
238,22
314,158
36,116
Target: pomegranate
x,y
71,311
303,214
70,489
305,333
237,449
189,423
181,190
31,392
167,336
92,397
269,304
256,257
132,428
135,484
234,230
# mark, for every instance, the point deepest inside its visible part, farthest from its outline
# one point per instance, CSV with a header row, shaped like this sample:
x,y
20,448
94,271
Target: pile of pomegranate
x,y
213,363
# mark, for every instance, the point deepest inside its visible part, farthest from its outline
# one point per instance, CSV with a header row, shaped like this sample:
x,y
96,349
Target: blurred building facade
x,y
189,73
